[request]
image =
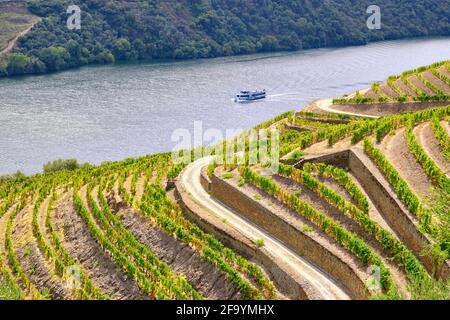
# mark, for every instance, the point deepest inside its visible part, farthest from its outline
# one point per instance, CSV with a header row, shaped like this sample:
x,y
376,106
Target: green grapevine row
x,y
348,240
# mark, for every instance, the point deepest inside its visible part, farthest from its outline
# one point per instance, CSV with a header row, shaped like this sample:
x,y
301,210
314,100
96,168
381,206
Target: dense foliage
x,y
155,29
59,165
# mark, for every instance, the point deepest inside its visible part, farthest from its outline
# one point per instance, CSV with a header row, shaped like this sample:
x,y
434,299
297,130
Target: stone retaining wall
x,y
291,235
284,278
290,126
337,159
393,211
385,200
323,120
384,109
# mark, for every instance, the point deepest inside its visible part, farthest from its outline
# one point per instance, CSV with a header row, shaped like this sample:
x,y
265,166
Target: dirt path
x,y
325,105
77,240
320,281
395,149
13,42
426,138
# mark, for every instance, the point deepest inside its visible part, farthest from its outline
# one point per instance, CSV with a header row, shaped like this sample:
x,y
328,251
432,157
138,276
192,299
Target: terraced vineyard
x,y
373,192
112,232
358,209
425,84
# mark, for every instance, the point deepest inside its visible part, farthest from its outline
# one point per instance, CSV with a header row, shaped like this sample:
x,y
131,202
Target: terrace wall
x,y
384,109
385,199
291,235
285,279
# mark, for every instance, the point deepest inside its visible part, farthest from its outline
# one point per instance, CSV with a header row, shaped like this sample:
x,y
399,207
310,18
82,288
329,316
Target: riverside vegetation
x,y
141,30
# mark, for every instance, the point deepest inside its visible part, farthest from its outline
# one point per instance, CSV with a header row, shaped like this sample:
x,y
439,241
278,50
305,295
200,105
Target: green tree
x,y
18,63
74,50
269,43
55,58
123,50
60,165
3,71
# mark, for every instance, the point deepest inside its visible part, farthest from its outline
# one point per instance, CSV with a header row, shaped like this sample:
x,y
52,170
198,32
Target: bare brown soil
x,y
425,137
395,149
404,88
387,90
428,75
420,85
374,213
446,126
77,240
371,94
182,259
323,147
444,71
140,187
31,259
202,275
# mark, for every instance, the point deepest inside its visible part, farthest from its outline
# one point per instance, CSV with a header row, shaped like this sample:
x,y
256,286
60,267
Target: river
x,y
113,112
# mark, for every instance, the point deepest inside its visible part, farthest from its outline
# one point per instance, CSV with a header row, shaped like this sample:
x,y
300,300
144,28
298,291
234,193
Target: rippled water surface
x,y
113,112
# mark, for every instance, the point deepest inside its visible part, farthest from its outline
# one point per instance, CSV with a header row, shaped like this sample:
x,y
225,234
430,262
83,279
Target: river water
x,y
112,112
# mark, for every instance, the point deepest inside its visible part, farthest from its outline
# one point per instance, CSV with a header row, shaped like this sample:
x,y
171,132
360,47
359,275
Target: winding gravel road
x,y
326,105
322,283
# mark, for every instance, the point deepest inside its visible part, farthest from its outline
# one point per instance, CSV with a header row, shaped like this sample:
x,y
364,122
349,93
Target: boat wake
x,y
282,94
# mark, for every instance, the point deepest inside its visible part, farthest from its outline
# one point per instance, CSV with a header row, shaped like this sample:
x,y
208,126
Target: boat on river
x,y
248,96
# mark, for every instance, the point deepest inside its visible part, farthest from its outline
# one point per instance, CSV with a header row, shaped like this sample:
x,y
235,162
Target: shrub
x,y
227,175
296,155
8,292
3,72
175,171
259,243
61,165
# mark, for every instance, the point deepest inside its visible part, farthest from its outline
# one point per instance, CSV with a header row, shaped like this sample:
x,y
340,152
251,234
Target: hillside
x,y
358,209
141,30
15,21
413,90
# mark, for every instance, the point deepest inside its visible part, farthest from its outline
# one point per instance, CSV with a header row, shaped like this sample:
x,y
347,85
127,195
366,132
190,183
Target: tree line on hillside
x,y
121,30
